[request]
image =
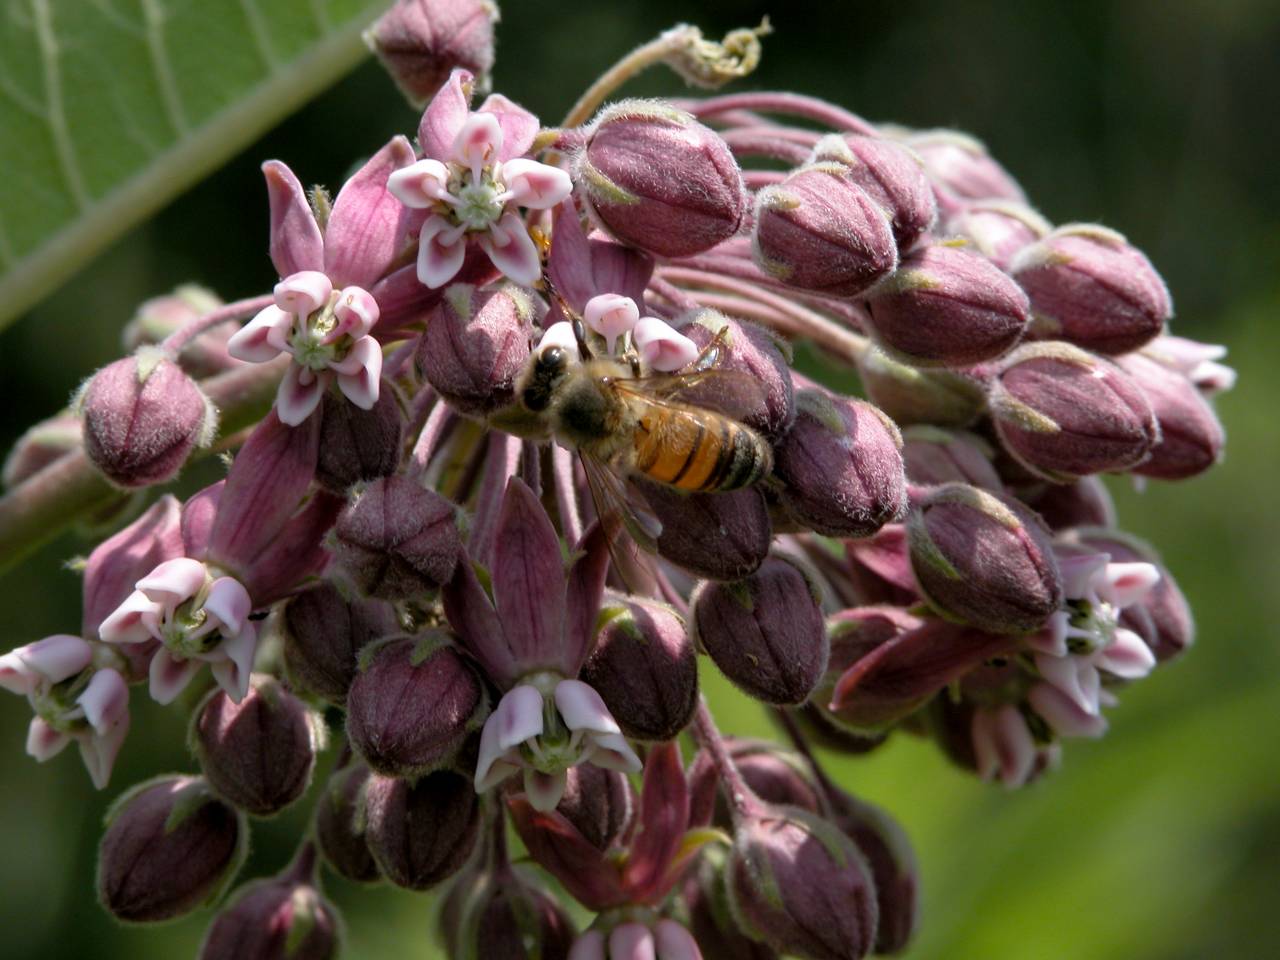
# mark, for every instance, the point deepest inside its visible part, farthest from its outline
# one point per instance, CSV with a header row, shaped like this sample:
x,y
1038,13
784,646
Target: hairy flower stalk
x,y
537,446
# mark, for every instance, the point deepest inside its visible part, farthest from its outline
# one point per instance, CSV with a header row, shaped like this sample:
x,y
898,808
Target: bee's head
x,y
549,366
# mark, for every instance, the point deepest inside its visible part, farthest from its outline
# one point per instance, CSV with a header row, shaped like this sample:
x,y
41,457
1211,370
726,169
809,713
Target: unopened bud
x,y
755,352
1090,287
258,754
397,539
711,922
765,632
999,229
948,306
324,632
911,395
645,669
773,774
413,703
1191,437
142,418
819,230
657,179
1085,503
984,559
42,444
157,318
422,832
1064,413
720,536
600,803
476,345
421,41
169,847
841,466
934,456
340,825
501,915
358,445
961,169
892,175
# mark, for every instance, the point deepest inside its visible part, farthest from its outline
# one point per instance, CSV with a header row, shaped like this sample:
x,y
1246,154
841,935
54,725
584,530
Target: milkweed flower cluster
x,y
401,543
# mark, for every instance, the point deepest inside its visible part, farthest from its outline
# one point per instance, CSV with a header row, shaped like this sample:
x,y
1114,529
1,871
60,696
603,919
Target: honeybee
x,y
662,427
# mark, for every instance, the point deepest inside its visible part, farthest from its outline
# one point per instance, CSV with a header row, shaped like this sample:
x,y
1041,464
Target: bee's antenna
x,y
579,326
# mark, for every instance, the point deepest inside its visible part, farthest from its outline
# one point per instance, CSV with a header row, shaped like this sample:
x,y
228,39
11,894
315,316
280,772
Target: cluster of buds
x,y
506,636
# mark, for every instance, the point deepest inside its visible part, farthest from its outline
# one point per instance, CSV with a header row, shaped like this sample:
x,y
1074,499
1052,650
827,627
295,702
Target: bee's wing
x,y
628,523
735,394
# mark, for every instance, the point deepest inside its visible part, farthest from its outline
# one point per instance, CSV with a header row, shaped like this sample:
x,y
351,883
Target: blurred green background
x,y
1162,840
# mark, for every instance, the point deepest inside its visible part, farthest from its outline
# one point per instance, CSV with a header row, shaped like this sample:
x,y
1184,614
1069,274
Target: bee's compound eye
x,y
553,358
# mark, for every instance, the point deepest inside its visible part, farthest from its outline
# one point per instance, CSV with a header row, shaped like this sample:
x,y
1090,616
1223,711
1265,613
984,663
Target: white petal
x,y
535,185
1063,715
612,752
1080,573
1125,584
1071,676
1128,656
675,942
512,251
263,337
560,335
136,620
479,142
493,765
303,293
105,700
44,742
50,660
1052,640
589,946
174,582
99,751
360,372
441,250
518,717
1016,747
356,311
233,671
544,790
631,941
300,392
170,676
662,347
611,315
583,709
228,602
420,184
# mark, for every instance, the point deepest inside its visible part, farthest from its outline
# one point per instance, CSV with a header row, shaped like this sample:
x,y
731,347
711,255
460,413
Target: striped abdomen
x,y
698,450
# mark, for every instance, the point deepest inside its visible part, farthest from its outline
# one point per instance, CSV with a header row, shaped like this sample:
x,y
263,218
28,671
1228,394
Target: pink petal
x,y
228,603
583,709
661,347
519,126
420,184
369,225
50,660
611,315
538,186
544,790
560,335
296,243
512,250
675,942
612,752
303,293
170,676
105,700
116,564
1063,715
1125,584
99,751
492,765
1080,573
445,115
1128,656
232,672
360,371
1075,677
569,261
174,581
631,941
479,142
441,250
262,338
299,394
356,311
44,742
518,717
1052,640
136,620
589,946
1003,746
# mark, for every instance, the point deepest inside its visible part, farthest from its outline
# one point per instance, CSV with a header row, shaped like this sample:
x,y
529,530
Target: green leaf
x,y
110,107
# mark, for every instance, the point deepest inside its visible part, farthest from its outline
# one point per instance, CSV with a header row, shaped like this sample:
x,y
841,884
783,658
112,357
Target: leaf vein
x,y
55,113
163,67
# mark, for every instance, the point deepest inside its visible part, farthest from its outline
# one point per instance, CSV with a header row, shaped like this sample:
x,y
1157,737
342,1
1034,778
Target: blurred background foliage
x,y
1160,841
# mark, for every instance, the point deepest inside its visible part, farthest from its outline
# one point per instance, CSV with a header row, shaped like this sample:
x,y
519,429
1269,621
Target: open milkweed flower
x,y
472,179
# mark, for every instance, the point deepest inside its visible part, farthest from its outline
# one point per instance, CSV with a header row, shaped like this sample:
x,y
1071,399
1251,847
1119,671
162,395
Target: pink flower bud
x,y
892,175
422,832
984,559
1064,413
1090,287
358,445
413,704
765,632
721,536
600,803
961,169
397,539
657,179
819,230
161,316
324,633
40,446
775,775
798,884
504,916
170,846
1085,503
645,669
142,418
912,395
841,466
1191,438
934,456
257,754
340,823
421,41
999,229
948,306
476,345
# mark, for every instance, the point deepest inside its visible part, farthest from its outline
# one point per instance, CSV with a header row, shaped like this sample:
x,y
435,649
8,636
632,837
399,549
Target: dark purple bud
x,y
421,41
476,345
170,846
892,175
765,632
280,918
1063,413
1085,503
911,395
721,536
818,726
142,418
961,169
893,866
600,803
501,915
397,539
756,353
161,316
1191,437
413,704
798,884
819,230
948,306
984,559
257,754
1090,287
341,822
999,229
358,445
841,466
324,632
657,179
934,456
773,774
421,833
645,668
42,444
710,919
